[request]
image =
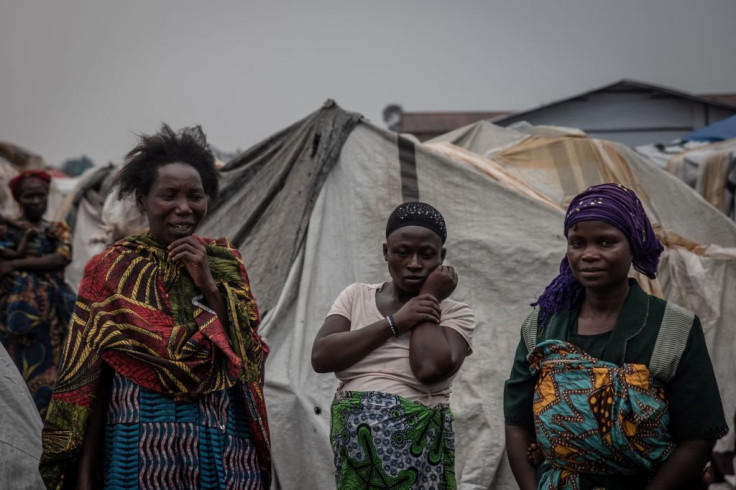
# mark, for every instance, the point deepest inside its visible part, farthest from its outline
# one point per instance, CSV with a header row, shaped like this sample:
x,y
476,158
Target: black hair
x,y
188,146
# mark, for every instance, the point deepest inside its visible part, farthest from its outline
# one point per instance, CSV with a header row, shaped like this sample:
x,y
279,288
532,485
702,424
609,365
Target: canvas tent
x,y
20,430
708,167
705,159
711,171
82,211
307,208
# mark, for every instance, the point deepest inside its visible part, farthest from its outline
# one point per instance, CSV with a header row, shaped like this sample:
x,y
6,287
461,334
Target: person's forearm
x,y
518,440
683,467
89,468
347,348
9,254
430,354
51,262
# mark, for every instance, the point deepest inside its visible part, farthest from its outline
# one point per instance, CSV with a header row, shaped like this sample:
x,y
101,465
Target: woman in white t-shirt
x,y
396,347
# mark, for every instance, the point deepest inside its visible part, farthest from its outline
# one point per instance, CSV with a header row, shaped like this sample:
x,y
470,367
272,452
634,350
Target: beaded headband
x,y
417,214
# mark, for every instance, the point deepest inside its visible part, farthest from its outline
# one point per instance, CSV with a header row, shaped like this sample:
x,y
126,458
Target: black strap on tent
x,y
408,165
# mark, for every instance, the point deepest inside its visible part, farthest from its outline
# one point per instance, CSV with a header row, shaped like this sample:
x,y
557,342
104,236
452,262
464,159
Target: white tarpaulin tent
x,y
307,207
708,167
82,211
20,430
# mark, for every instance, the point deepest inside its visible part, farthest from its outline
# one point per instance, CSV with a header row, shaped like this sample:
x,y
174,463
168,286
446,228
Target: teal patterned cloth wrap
x,y
595,417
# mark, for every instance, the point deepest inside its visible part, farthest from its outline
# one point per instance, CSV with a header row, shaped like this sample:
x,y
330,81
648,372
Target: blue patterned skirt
x,y
152,441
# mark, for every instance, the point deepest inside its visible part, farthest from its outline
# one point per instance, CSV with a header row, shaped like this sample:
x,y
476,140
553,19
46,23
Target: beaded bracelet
x,y
392,324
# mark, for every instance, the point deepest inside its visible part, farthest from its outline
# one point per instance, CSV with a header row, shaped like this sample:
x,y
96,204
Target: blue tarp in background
x,y
725,129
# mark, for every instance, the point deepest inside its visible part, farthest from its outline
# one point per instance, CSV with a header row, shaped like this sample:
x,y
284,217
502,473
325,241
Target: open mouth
x,y
181,227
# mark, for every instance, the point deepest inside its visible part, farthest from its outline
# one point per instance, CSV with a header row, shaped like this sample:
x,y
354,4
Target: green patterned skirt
x,y
383,441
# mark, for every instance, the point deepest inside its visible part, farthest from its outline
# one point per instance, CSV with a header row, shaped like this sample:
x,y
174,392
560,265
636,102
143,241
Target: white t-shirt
x,y
387,368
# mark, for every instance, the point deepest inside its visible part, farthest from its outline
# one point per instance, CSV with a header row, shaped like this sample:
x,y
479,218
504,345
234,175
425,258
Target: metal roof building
x,y
629,112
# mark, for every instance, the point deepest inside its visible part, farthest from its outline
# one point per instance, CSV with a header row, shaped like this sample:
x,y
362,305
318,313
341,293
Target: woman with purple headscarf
x,y
614,386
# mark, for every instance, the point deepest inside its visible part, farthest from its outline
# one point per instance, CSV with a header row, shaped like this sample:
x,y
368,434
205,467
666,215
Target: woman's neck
x,y
606,303
397,295
37,223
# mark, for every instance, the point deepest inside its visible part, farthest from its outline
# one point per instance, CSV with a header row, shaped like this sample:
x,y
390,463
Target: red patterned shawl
x,y
139,313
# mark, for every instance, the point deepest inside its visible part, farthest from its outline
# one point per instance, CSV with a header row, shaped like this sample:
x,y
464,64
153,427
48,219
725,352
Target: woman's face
x,y
175,204
412,252
599,254
33,198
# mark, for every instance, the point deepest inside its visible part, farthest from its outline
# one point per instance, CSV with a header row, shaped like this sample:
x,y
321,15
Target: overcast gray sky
x,y
82,77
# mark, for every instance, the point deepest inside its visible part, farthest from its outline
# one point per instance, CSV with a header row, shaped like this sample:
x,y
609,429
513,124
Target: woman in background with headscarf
x,y
396,348
615,387
36,303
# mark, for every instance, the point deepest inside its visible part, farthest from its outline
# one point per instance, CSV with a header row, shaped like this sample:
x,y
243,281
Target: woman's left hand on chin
x,y
441,282
193,256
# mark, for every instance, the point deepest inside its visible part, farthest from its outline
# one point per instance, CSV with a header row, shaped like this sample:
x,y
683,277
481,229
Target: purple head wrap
x,y
617,206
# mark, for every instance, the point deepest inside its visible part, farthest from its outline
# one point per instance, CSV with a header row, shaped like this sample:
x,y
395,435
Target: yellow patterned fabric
x,y
140,313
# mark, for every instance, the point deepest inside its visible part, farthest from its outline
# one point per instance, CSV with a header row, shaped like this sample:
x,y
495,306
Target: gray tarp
x,y
20,430
497,266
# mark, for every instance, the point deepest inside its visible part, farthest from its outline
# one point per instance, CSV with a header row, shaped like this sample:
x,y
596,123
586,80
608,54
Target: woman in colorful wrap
x,y
396,347
36,304
615,386
160,381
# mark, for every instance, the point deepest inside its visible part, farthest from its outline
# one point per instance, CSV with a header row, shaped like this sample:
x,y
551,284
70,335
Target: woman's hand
x,y
189,252
534,455
419,309
30,231
441,282
21,224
